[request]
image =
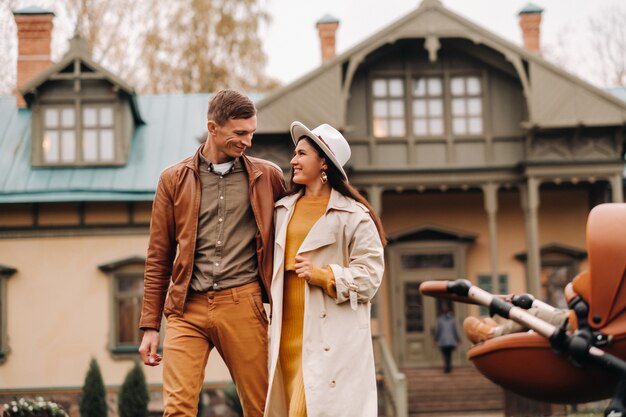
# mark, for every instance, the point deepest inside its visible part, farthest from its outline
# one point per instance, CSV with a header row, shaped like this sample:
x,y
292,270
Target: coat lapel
x,y
321,234
284,210
324,231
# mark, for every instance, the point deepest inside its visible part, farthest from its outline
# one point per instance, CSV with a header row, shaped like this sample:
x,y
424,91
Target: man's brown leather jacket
x,y
173,229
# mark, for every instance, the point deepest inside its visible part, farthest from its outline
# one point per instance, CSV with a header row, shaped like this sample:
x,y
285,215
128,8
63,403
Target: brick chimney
x,y
34,35
327,27
530,22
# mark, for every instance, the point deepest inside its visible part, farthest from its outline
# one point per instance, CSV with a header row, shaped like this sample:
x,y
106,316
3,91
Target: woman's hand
x,y
304,267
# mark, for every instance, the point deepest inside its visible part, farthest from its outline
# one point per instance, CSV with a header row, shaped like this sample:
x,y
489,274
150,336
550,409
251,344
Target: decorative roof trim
x,y
7,271
79,51
114,265
445,233
570,251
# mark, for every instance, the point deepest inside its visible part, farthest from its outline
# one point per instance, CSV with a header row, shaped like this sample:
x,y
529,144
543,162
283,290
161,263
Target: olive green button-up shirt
x,y
225,255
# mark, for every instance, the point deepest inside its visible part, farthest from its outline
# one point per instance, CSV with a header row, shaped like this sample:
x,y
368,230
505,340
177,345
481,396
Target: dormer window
x,y
82,115
59,135
98,138
86,139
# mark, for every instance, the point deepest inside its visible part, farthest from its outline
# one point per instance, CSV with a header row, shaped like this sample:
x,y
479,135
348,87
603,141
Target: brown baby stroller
x,y
550,364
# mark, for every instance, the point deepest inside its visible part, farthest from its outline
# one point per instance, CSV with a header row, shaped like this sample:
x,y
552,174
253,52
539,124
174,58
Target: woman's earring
x,y
324,177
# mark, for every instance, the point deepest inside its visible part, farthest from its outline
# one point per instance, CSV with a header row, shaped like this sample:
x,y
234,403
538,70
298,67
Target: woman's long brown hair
x,y
337,181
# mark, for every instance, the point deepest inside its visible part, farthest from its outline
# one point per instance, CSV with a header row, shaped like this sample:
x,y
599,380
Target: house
x,y
482,158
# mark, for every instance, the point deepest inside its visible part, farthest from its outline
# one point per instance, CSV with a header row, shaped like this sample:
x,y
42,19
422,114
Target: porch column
x,y
490,194
530,204
617,190
374,196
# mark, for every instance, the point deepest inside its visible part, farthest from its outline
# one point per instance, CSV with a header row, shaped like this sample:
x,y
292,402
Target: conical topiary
x,y
134,397
93,396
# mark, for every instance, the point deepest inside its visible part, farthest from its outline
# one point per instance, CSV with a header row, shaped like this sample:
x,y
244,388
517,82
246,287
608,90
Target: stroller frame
x,y
582,347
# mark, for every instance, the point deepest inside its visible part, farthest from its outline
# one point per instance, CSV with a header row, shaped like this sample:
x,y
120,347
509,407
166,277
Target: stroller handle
x,y
463,291
446,290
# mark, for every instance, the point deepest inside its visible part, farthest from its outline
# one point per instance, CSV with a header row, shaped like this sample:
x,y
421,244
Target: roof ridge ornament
x,y
430,4
79,44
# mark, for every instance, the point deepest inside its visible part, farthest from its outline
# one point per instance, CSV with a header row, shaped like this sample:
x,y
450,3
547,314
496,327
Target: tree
x,y
110,29
597,54
203,45
8,54
609,44
134,397
93,396
185,46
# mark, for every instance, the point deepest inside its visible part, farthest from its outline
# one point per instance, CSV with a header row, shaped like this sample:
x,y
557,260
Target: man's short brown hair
x,y
230,104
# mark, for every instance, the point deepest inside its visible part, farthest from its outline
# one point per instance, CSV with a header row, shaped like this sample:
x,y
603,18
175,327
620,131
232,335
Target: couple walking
x,y
226,235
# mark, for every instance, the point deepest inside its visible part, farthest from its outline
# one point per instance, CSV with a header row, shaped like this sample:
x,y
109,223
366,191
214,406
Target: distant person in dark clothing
x,y
446,336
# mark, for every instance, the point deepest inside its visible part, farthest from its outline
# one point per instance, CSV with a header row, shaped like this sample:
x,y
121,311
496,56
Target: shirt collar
x,y
206,164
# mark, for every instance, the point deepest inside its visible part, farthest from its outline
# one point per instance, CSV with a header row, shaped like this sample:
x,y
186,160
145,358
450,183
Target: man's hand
x,y
304,267
149,347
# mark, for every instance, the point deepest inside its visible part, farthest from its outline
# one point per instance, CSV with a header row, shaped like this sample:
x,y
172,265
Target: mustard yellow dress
x,y
306,212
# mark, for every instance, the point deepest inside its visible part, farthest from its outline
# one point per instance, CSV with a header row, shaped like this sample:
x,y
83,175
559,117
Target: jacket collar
x,y
337,201
253,171
194,161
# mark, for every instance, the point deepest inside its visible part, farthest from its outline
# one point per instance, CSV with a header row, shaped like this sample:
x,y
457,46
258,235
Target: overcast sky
x,y
292,44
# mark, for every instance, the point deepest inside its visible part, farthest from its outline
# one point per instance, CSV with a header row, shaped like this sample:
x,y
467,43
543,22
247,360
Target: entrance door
x,y
415,317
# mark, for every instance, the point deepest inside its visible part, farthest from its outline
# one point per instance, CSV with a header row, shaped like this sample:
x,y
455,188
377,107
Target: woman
x,y
328,264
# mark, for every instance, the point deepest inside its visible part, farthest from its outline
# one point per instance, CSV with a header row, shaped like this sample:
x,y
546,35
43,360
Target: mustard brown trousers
x,y
235,323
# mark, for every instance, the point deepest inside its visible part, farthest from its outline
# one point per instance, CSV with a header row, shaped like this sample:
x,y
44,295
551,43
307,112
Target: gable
x,y
429,232
556,251
75,65
555,98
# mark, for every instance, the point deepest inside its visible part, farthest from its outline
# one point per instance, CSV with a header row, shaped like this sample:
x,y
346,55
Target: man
x,y
446,336
209,262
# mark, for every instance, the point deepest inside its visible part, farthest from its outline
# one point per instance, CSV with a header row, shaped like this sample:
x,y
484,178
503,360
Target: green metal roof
x,y
531,8
173,125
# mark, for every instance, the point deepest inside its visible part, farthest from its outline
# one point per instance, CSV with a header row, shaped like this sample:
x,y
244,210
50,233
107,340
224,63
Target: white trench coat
x,y
337,354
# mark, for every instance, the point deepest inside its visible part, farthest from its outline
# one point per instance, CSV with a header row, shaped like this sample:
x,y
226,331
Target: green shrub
x,y
93,396
134,397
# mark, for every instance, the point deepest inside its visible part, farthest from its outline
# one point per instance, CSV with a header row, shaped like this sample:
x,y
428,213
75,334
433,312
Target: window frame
x,y
428,98
99,128
572,267
388,98
5,273
485,281
59,129
465,76
79,105
117,346
409,79
132,267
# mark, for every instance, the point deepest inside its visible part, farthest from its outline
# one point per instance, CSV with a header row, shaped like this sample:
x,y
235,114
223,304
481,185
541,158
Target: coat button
x,y
323,315
332,383
326,348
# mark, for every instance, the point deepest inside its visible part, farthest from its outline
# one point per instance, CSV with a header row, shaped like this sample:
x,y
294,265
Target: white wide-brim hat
x,y
330,141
